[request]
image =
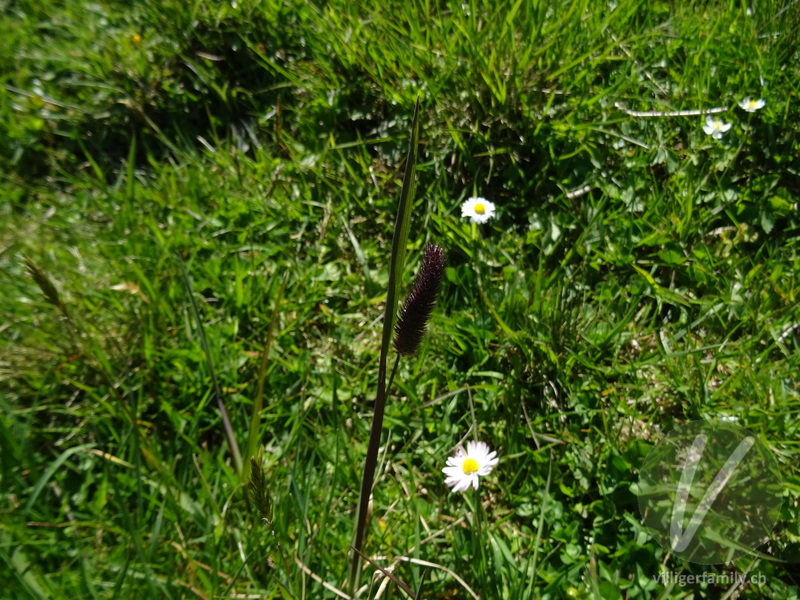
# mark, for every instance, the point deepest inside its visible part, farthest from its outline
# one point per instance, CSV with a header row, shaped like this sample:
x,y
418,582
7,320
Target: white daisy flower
x,y
465,468
479,210
715,127
751,105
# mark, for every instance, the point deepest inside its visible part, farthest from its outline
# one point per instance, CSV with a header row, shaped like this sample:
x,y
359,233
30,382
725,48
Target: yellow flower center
x,y
470,466
480,209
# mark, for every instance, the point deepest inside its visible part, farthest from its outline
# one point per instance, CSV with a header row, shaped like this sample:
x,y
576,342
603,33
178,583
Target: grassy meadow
x,y
198,207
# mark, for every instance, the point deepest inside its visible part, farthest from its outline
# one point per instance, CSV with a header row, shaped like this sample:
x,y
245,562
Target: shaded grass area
x,y
258,141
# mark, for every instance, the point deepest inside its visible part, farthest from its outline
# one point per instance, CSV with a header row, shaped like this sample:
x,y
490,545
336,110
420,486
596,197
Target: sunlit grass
x,y
637,273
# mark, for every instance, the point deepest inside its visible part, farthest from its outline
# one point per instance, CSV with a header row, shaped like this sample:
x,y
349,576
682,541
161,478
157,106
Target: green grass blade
x,y
418,596
26,574
226,422
258,403
48,475
399,242
400,239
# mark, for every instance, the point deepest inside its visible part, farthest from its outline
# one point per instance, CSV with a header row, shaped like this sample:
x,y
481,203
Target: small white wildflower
x,y
479,210
728,418
715,127
751,105
464,469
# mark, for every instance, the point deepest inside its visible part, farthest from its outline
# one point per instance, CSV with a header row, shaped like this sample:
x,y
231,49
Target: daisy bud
x,y
419,305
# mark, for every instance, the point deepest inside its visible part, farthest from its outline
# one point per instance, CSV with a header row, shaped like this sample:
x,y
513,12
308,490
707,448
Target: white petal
x,y
463,485
489,466
453,471
473,447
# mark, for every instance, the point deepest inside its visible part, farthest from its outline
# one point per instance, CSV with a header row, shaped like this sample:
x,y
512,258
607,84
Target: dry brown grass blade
x,y
388,574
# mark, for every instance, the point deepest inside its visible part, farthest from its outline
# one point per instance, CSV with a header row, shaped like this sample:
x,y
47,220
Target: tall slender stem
x,y
399,242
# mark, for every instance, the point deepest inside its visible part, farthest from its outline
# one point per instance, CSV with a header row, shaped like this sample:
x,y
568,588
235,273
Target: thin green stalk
x,y
478,272
477,513
226,422
477,539
540,526
472,413
258,402
399,241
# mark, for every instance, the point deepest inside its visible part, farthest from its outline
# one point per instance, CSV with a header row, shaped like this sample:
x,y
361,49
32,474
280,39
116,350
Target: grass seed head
x,y
419,305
